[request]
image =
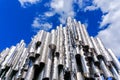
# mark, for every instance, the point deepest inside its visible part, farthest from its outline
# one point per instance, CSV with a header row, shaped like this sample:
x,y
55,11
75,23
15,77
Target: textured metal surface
x,y
65,53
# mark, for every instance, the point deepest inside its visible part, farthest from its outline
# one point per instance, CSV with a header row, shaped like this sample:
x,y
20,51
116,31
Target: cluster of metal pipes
x,y
65,53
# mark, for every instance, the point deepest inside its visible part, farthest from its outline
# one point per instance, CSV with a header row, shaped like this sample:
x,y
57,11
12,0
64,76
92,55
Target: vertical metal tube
x,y
52,44
44,52
57,52
32,50
40,42
3,55
87,36
105,70
47,72
105,54
85,65
115,60
67,53
11,52
97,50
115,73
37,62
24,74
55,69
74,30
41,75
95,70
8,74
40,37
95,59
85,43
30,73
61,75
79,34
38,51
61,56
76,69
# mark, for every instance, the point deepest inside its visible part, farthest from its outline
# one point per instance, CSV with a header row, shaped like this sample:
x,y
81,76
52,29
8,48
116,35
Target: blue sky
x,y
21,19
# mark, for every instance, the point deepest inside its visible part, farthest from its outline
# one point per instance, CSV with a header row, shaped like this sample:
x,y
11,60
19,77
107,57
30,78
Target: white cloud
x,y
57,4
49,14
41,22
55,7
25,3
37,24
110,18
63,9
80,3
90,8
85,5
106,5
110,36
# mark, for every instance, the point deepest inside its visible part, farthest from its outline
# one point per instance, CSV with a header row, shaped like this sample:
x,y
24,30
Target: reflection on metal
x,y
65,53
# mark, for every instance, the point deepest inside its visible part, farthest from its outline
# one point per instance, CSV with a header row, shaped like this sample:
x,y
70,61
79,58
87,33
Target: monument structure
x,y
65,53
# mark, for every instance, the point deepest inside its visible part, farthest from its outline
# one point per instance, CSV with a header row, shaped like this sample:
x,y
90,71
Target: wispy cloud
x,y
58,7
83,4
49,14
90,8
41,25
25,3
63,9
111,16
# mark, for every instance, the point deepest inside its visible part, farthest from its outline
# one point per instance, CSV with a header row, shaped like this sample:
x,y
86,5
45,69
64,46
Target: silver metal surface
x,y
65,53
52,44
105,54
98,53
115,60
105,70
